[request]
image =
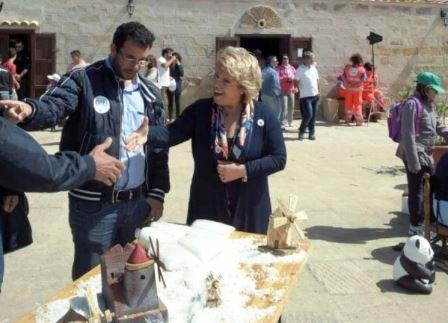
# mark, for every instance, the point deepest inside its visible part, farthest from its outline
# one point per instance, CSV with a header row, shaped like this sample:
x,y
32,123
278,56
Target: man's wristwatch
x,y
244,178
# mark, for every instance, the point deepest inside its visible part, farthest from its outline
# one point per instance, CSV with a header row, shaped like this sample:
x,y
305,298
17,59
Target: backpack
x,y
394,120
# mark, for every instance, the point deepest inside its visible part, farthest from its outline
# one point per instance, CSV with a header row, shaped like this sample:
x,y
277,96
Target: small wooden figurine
x,y
213,291
280,230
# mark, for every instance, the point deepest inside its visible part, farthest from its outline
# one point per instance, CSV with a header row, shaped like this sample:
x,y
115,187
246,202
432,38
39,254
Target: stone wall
x,y
414,36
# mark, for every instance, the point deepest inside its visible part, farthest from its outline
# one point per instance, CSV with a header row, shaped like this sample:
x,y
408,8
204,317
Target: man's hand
x,y
139,137
228,172
18,77
16,84
156,210
16,111
10,202
107,168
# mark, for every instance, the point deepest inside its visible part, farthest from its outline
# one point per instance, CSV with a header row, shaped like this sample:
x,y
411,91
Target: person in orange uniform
x,y
371,88
353,77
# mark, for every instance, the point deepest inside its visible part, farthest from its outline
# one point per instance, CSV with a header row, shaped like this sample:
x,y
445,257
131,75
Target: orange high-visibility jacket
x,y
368,82
354,77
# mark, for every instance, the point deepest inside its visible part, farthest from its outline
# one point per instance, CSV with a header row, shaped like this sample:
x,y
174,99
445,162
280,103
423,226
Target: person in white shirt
x,y
307,79
164,63
77,60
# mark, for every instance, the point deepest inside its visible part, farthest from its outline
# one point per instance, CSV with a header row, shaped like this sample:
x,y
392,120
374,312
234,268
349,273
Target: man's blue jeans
x,y
96,227
308,108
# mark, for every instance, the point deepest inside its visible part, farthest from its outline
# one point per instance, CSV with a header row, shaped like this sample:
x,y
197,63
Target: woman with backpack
x,y
418,130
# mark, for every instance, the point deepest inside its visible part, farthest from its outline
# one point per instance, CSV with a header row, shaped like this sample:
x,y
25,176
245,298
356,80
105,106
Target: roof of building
x,y
19,23
409,1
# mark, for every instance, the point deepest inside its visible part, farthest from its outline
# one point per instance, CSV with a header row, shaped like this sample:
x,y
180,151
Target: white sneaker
x,y
416,230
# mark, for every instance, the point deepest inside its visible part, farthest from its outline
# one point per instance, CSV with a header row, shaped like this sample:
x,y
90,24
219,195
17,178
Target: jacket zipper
x,y
145,149
119,132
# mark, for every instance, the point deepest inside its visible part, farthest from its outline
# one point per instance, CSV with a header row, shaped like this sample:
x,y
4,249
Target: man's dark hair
x,y
135,32
356,59
75,52
368,66
166,50
11,53
270,58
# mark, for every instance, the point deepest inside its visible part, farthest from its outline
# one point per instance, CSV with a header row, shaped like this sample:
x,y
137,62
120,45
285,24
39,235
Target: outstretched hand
x,y
10,202
16,111
107,168
139,137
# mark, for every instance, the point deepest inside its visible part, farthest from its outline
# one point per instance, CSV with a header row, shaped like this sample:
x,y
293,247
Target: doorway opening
x,y
8,39
270,45
41,50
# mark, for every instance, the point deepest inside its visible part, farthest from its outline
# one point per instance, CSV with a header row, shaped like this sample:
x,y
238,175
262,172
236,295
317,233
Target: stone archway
x,y
260,17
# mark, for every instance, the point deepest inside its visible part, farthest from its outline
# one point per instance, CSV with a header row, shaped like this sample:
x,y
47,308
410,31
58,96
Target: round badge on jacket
x,y
101,104
260,122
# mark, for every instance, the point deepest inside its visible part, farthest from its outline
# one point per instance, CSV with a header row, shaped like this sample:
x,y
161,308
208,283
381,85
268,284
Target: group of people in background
x,y
357,84
280,84
14,71
167,72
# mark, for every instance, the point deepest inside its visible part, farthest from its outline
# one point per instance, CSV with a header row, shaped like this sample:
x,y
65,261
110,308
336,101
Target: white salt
x,y
185,295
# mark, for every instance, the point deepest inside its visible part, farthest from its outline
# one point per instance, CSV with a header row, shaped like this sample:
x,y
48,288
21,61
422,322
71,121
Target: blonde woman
x,y
237,143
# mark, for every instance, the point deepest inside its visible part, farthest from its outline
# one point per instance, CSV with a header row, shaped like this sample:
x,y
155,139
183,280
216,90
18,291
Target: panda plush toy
x,y
414,269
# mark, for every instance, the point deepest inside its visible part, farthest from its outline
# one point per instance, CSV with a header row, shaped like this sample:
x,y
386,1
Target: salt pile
x,y
185,295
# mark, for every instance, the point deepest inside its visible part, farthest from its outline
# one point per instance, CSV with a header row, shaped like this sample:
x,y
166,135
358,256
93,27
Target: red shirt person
x,y
10,65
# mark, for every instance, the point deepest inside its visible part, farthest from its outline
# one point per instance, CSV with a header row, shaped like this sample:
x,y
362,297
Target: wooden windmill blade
x,y
284,209
95,313
293,201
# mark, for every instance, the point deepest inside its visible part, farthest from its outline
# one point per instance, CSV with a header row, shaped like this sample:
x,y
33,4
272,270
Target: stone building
x,y
415,34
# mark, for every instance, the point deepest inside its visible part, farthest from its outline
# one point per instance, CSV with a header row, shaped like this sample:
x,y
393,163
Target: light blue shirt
x,y
133,113
271,82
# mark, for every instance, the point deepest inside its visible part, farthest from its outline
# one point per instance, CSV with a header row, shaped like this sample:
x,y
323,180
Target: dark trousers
x,y
23,91
2,259
415,198
173,96
96,227
308,108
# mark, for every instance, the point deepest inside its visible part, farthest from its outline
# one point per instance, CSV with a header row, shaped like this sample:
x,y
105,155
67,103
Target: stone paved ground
x,y
349,183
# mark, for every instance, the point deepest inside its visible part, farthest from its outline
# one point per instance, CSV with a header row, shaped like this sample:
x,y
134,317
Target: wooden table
x,y
289,273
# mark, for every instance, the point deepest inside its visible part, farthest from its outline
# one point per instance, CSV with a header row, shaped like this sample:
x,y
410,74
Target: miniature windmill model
x,y
282,226
129,284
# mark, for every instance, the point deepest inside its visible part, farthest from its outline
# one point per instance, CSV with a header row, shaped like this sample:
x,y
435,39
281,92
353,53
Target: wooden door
x,y
298,46
222,42
43,61
4,45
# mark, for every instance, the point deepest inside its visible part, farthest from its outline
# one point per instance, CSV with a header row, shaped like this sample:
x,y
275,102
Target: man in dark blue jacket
x,y
26,166
107,99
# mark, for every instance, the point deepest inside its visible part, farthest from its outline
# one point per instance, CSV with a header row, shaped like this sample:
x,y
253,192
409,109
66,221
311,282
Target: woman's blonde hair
x,y
243,68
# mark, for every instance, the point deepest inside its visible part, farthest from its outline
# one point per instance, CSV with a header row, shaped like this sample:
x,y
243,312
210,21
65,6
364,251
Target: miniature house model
x,y
129,285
